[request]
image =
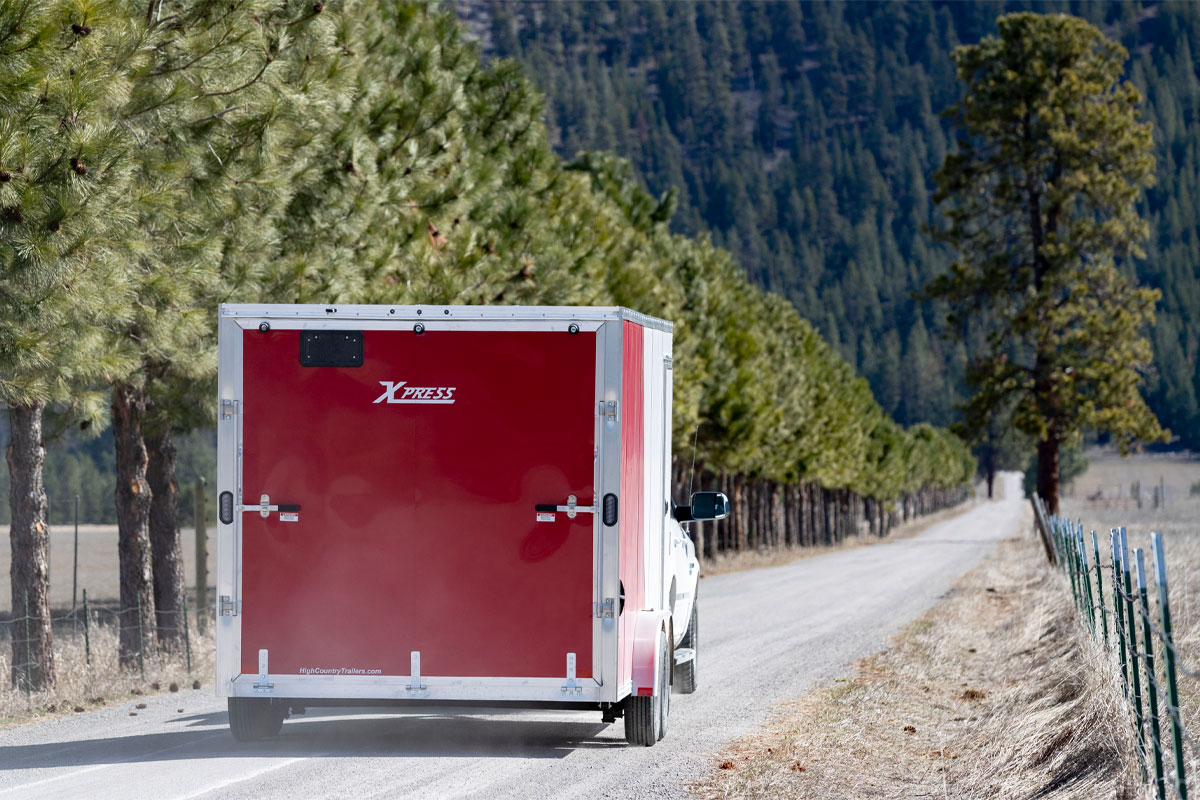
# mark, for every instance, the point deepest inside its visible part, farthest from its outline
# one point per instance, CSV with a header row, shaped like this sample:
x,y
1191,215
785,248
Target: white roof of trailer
x,y
337,311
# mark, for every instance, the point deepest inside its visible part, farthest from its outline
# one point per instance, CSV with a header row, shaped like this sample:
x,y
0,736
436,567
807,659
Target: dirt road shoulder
x,y
994,693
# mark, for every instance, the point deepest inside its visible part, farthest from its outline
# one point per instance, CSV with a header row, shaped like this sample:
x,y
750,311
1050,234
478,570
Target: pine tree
x,y
64,168
227,106
1040,201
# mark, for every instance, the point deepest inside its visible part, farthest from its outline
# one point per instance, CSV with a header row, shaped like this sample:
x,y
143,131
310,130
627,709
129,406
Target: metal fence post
x,y
1100,589
87,641
28,655
1119,612
1151,687
141,640
1069,555
1086,575
1164,607
75,568
1135,679
187,642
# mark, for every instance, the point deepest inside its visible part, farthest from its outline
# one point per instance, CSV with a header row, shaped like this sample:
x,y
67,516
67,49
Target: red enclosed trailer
x,y
450,505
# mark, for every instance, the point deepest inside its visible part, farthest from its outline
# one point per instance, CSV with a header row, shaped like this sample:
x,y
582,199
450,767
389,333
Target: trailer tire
x,y
254,718
685,673
664,680
646,717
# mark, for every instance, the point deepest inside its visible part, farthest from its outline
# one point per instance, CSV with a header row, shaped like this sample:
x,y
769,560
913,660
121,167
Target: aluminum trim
x,y
434,313
392,687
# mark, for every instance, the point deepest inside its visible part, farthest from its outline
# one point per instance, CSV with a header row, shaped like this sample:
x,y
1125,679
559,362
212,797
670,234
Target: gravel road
x,y
767,635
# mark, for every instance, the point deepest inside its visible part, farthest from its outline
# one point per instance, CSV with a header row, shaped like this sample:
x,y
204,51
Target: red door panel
x,y
417,528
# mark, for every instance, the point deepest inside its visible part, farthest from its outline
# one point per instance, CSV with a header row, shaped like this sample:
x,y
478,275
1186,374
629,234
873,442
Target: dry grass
x,y
82,687
1179,523
79,685
1110,473
994,694
754,559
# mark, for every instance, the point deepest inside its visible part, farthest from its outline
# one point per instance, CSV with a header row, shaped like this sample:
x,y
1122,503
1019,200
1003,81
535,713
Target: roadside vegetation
x,y
1117,493
738,560
997,692
90,675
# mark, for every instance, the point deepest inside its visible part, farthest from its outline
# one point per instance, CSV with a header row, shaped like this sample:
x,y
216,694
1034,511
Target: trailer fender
x,y
649,627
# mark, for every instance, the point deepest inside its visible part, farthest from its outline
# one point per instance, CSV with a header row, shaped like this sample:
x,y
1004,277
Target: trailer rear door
x,y
417,474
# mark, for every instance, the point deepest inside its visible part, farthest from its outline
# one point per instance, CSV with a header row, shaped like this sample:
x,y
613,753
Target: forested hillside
x,y
803,136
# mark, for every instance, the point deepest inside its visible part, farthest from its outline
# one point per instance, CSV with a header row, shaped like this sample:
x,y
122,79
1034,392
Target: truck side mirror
x,y
705,506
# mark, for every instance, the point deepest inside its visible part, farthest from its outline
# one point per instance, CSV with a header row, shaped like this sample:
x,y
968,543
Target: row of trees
x,y
806,136
165,158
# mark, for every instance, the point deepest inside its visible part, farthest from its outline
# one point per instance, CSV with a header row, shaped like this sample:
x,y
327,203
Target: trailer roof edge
x,y
417,312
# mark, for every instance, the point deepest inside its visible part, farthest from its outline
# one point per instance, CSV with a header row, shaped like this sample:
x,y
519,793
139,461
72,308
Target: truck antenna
x,y
692,477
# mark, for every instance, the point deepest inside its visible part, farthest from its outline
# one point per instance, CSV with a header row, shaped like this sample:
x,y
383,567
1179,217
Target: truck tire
x,y
646,717
685,674
254,718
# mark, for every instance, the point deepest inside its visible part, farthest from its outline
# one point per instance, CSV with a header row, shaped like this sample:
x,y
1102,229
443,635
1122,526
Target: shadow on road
x,y
324,735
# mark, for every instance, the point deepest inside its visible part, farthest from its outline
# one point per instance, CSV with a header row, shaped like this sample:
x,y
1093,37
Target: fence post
x,y
201,560
1135,679
1100,589
1077,547
1119,612
28,655
1085,575
1151,684
141,640
187,642
1164,607
75,568
87,641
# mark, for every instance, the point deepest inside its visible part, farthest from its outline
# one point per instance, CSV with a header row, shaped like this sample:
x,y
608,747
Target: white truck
x,y
451,506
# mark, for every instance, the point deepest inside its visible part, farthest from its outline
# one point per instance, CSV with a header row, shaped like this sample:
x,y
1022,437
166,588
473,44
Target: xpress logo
x,y
401,392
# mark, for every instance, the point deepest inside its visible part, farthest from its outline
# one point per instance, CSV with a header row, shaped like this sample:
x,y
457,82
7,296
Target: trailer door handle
x,y
571,508
264,507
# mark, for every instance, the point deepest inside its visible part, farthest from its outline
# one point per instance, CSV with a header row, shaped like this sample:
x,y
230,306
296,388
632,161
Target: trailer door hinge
x,y
608,410
605,610
669,362
226,607
228,409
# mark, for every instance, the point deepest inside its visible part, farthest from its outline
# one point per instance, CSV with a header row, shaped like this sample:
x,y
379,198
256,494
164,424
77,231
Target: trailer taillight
x,y
225,507
610,509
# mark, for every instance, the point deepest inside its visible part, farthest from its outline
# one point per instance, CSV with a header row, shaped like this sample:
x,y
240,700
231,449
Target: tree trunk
x,y
742,512
32,654
1047,471
789,515
133,524
166,548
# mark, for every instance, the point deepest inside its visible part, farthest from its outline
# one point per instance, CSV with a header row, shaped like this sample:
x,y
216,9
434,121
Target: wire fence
x,y
33,635
156,639
1135,630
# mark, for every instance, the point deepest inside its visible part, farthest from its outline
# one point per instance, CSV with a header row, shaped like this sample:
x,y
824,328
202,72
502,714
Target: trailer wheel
x,y
254,718
685,673
664,680
646,717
